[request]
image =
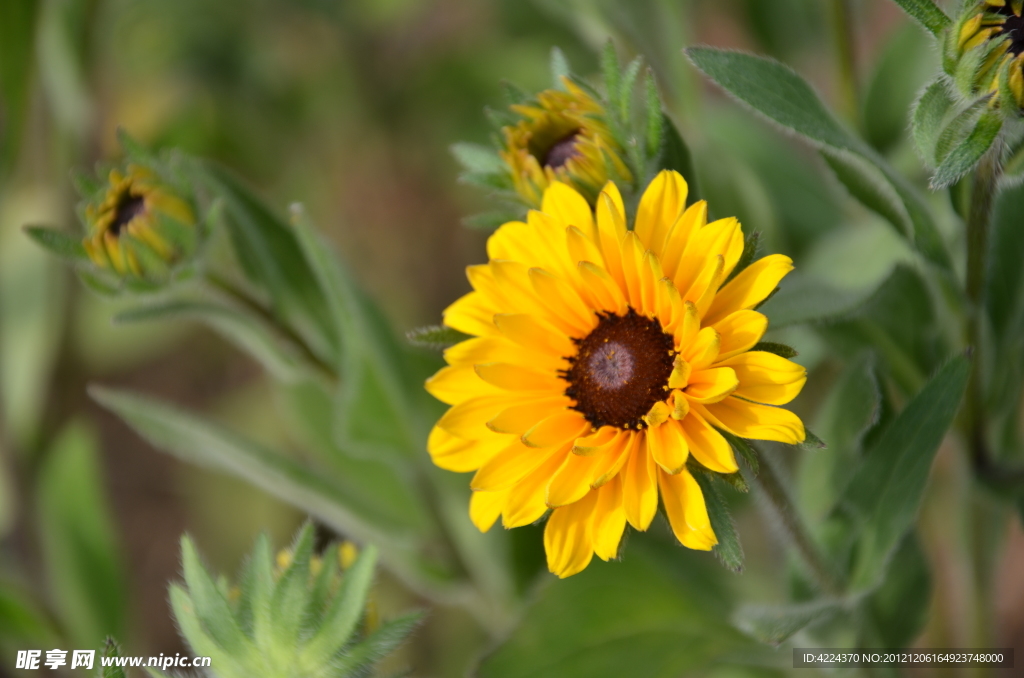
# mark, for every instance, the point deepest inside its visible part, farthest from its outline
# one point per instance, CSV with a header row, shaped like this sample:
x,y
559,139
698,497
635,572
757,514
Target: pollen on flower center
x,y
562,151
621,369
128,207
1013,27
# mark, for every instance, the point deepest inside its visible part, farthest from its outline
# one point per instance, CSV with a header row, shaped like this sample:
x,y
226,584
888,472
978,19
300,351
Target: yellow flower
x,y
1000,25
564,137
602,359
129,222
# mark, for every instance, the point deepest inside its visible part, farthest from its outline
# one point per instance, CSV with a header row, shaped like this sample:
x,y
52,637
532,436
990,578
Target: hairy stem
x,y
773,490
289,335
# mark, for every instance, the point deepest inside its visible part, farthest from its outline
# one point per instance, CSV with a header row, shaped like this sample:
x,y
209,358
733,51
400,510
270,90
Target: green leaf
x,y
110,650
728,549
774,624
62,244
610,70
655,123
927,14
899,608
289,604
18,20
883,496
929,113
658,613
361,502
675,155
22,621
905,63
774,347
803,299
868,185
272,259
966,155
743,448
80,548
479,159
346,610
209,603
358,659
776,92
559,68
435,336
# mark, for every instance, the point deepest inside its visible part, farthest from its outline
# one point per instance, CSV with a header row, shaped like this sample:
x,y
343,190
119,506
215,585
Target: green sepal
x,y
965,156
559,68
59,243
728,550
927,13
929,113
781,350
436,337
745,450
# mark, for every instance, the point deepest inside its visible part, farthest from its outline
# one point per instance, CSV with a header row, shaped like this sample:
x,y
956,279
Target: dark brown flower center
x,y
1013,28
128,207
561,152
621,369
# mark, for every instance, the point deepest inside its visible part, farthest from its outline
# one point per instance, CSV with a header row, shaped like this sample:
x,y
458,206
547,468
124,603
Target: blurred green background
x,y
350,106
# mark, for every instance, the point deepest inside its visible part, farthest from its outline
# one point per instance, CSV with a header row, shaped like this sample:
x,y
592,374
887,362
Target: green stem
x,y
778,497
842,35
289,335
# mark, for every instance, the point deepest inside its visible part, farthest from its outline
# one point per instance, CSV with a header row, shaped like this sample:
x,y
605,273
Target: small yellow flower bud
x,y
347,554
284,559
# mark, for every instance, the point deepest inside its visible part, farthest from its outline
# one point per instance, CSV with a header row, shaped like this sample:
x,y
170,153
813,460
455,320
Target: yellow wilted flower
x,y
603,358
562,136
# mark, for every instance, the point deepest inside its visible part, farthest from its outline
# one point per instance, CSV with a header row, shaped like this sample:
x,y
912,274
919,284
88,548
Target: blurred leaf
x,y
272,259
59,243
110,650
926,13
850,409
728,549
929,113
477,158
353,503
803,299
899,608
776,348
675,155
648,615
782,96
966,155
374,405
744,449
773,624
559,68
884,495
901,69
435,336
242,329
17,31
22,621
867,185
80,548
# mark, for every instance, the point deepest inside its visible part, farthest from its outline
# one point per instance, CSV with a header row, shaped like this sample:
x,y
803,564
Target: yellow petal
x,y
766,377
684,329
661,205
681,405
578,474
689,222
485,507
526,331
517,378
668,446
750,287
563,300
658,414
512,464
711,385
686,510
702,291
581,247
639,485
459,455
650,276
513,281
501,350
680,376
568,206
611,229
558,429
703,350
526,499
632,261
609,520
471,314
596,441
606,293
758,422
568,537
706,444
469,418
452,385
739,332
519,419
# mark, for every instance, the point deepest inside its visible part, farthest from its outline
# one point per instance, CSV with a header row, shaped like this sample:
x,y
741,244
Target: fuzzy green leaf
x,y
381,643
610,70
927,13
869,186
966,155
62,244
779,94
629,77
775,347
210,605
110,650
929,113
803,299
289,606
559,68
477,158
884,495
728,549
773,624
435,336
675,155
655,127
743,448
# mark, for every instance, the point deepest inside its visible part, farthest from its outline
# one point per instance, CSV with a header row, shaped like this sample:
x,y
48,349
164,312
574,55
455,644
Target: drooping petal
x,y
766,377
759,422
579,474
639,485
609,520
686,510
568,537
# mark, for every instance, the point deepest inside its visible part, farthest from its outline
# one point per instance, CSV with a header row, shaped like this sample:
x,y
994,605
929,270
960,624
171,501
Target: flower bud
x,y
139,226
562,136
986,52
